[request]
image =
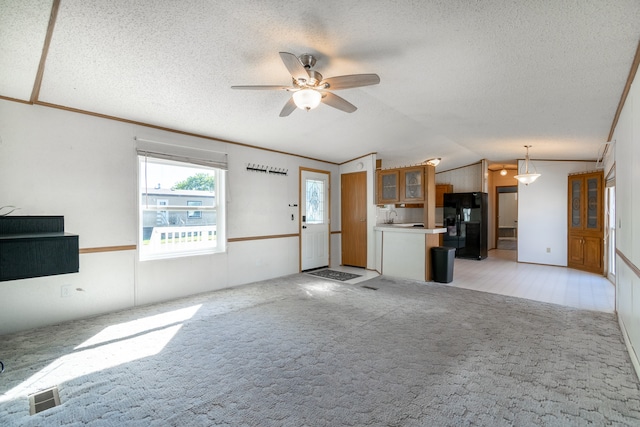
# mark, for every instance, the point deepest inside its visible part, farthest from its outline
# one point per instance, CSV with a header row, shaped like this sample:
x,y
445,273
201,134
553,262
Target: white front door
x,y
314,219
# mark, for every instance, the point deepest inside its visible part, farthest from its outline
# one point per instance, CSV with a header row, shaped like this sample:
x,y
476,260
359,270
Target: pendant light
x,y
527,177
503,172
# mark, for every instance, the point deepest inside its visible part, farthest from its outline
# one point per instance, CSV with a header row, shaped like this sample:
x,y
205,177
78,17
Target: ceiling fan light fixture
x,y
307,99
433,162
527,177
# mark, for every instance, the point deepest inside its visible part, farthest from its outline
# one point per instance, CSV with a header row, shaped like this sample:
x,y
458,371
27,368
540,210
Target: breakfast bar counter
x,y
404,250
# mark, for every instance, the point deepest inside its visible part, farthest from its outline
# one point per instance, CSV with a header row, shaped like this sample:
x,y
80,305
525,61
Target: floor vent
x,y
43,400
370,287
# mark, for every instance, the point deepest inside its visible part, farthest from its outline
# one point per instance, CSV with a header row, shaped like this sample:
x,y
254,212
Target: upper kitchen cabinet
x,y
585,222
441,189
404,185
412,185
388,187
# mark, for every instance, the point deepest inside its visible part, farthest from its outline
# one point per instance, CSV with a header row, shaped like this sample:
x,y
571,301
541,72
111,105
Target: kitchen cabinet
x,y
388,187
412,185
441,189
403,185
585,222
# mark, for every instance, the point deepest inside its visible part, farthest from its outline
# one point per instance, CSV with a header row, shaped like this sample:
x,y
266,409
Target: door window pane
x,y
315,201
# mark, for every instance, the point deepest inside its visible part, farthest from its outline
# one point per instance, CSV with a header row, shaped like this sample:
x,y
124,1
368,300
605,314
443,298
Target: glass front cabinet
x,y
585,222
403,185
388,187
412,185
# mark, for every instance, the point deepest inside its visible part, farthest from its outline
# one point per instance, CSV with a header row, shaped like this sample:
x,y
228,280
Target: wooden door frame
x,y
328,173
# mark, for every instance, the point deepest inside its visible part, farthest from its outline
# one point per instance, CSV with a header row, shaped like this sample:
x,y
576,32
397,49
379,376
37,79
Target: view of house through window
x,y
169,192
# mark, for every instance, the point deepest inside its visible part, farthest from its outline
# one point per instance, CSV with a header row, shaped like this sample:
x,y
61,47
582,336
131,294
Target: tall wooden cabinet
x,y
585,223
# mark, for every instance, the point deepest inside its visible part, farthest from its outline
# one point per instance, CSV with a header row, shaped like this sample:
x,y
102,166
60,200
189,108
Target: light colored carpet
x,y
305,351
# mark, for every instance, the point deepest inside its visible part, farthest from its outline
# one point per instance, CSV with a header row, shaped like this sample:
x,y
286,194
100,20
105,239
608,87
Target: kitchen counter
x,y
403,250
408,228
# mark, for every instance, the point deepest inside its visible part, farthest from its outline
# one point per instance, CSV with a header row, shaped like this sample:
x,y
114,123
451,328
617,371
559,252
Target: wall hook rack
x,y
272,170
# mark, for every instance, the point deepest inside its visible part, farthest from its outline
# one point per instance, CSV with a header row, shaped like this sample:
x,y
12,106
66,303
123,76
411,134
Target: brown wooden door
x,y
354,219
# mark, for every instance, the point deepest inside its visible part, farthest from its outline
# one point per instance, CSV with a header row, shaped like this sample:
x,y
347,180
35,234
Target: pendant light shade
x,y
307,99
503,172
527,177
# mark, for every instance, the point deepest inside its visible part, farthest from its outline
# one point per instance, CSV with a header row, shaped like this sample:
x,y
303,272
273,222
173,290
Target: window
x,y
169,189
315,201
194,214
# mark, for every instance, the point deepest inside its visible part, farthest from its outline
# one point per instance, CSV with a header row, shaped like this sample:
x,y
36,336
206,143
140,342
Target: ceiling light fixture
x,y
433,162
527,178
503,172
307,99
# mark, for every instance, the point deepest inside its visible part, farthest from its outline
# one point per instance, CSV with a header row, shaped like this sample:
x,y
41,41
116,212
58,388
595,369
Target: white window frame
x,y
190,241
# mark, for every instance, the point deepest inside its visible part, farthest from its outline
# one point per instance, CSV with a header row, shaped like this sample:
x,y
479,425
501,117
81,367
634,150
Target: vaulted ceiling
x,y
462,80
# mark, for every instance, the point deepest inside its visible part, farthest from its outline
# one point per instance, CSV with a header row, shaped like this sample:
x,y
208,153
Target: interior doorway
x,y
507,217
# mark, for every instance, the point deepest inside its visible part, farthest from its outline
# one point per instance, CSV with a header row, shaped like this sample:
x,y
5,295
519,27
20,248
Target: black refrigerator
x,y
465,218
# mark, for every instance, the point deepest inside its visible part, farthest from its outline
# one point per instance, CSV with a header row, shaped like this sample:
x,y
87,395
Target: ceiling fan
x,y
310,88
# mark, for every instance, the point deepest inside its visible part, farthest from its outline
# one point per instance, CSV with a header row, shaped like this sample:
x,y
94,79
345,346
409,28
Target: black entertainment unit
x,y
36,246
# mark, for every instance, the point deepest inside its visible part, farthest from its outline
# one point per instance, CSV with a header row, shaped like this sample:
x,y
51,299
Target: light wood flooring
x,y
500,274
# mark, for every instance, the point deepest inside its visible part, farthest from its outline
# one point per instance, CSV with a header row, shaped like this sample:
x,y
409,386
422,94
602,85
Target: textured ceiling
x,y
462,80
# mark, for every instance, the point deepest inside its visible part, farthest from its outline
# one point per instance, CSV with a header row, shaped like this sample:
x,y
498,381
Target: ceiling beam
x,y
45,51
625,92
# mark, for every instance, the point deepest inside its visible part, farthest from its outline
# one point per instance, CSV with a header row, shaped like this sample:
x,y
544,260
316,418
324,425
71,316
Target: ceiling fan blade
x,y
288,108
262,87
337,102
352,80
295,67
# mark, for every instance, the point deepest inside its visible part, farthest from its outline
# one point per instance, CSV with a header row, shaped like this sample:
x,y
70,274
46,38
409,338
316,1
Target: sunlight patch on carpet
x,y
115,345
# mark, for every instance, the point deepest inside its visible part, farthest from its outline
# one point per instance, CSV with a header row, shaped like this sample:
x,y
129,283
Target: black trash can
x,y
442,264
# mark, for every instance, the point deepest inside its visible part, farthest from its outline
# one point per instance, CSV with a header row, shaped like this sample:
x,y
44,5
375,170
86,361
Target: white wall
x,y
54,162
542,212
627,173
464,180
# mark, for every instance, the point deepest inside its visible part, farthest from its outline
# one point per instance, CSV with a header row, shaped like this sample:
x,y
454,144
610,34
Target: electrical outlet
x,y
548,250
65,291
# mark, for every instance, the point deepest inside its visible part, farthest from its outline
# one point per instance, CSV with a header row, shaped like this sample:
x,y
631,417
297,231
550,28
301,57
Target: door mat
x,y
335,275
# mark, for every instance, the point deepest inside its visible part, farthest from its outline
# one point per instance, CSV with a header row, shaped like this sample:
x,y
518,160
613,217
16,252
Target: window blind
x,y
181,153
